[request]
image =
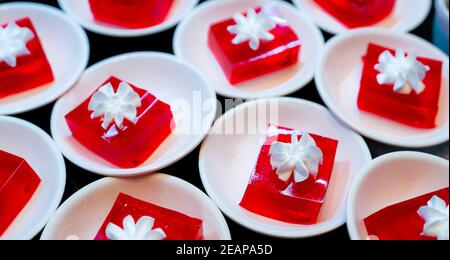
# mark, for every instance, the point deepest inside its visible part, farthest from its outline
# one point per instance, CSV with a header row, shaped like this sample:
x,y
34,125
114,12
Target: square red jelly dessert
x,y
253,44
134,219
386,92
18,183
421,218
23,63
131,14
358,13
291,176
121,123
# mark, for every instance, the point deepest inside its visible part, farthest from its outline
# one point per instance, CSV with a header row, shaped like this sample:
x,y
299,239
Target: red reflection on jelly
x,y
132,14
358,13
175,225
31,71
135,142
296,203
402,221
416,110
240,62
18,183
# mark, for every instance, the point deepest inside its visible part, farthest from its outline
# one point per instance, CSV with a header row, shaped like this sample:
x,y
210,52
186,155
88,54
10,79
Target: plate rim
x,y
326,227
176,44
351,220
140,170
411,27
126,33
86,50
90,188
57,198
336,110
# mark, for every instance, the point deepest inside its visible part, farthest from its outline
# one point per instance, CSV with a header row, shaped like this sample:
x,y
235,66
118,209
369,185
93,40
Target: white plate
x,y
38,149
81,11
227,160
407,16
338,81
82,215
68,55
391,179
190,43
193,103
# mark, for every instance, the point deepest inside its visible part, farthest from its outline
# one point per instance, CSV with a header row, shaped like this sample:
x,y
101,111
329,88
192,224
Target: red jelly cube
x,y
291,202
175,225
126,144
31,70
402,221
18,183
240,62
131,14
416,110
358,13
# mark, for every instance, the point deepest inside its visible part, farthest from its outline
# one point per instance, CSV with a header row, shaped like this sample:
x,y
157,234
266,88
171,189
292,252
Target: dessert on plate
x,y
291,176
254,43
134,219
18,184
23,62
121,123
358,13
131,14
400,86
421,218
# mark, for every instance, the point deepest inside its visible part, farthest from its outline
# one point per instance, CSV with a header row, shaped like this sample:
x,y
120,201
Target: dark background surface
x,y
103,47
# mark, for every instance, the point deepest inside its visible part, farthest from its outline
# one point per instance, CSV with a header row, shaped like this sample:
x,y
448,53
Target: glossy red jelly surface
x,y
402,221
135,142
177,226
31,71
131,14
358,13
416,110
18,183
296,203
240,63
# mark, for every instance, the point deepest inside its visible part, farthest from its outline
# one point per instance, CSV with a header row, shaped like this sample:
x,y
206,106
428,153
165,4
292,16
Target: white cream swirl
x,y
255,26
114,107
142,230
299,157
13,43
403,70
435,215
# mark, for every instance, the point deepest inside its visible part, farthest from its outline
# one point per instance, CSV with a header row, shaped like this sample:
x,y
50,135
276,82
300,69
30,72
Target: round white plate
x,y
338,81
229,154
391,179
82,215
27,141
81,11
407,16
192,100
190,44
68,55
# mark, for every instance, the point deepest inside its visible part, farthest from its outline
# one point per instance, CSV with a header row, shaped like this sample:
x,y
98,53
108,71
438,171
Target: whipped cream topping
x,y
256,26
435,215
142,230
13,43
301,158
403,70
114,107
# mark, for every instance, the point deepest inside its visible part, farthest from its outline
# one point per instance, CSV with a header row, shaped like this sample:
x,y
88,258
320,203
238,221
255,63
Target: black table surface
x,y
103,47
